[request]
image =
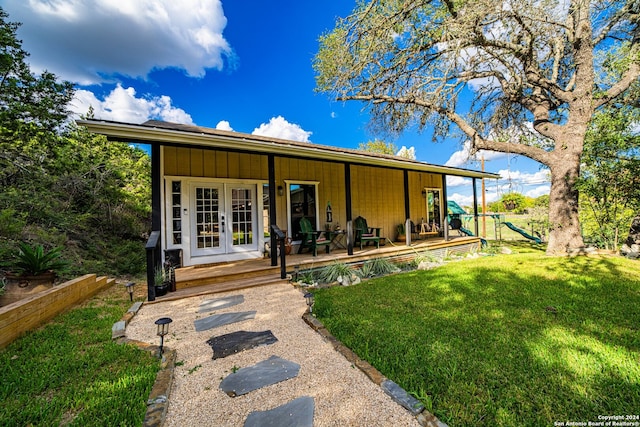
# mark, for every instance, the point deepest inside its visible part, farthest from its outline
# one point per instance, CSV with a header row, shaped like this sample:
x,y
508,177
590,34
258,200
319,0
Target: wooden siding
x,y
193,162
417,182
377,193
330,189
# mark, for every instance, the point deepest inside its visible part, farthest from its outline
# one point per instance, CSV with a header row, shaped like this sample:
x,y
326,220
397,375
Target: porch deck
x,y
228,276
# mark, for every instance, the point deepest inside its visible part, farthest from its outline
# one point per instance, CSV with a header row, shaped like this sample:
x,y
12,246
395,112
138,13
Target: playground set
x,y
462,221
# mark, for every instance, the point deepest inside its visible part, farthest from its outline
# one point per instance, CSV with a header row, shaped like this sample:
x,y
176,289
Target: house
x,y
216,194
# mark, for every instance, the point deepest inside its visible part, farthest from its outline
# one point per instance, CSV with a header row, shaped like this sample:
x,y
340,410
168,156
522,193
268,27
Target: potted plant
x,y
160,282
33,270
402,235
34,264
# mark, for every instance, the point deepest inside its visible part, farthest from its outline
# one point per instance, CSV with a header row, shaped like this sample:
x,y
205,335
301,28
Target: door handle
x,y
222,224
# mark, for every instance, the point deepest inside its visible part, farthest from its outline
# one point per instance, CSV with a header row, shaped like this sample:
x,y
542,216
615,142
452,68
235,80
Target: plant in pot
x,y
33,263
402,235
32,270
160,282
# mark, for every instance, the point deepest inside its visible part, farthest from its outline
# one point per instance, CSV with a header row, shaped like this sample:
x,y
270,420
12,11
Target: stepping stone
x,y
262,374
297,413
228,344
217,320
220,303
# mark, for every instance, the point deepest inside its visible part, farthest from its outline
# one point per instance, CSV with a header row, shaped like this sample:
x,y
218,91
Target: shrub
x,y
378,267
334,272
34,260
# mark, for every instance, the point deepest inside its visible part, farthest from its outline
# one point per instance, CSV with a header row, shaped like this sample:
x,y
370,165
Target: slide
x,y
521,231
470,233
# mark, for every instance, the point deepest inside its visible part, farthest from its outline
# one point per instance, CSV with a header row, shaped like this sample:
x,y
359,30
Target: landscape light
x,y
310,301
129,287
163,329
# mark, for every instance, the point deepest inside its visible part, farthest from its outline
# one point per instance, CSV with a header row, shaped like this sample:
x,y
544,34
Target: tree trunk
x,y
565,236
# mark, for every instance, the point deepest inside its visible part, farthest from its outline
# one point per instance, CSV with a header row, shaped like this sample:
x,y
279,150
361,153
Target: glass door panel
x,y
208,219
242,218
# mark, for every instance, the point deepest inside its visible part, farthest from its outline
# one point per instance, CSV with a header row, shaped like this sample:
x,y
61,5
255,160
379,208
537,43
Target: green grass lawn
x,y
511,340
70,372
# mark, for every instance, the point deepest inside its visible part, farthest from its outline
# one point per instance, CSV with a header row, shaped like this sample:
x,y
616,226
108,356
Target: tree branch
x,y
478,142
629,77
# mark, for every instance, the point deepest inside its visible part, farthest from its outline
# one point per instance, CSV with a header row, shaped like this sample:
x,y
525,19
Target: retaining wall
x,y
33,311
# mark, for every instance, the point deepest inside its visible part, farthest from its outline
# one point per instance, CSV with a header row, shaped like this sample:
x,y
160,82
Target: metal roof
x,y
165,133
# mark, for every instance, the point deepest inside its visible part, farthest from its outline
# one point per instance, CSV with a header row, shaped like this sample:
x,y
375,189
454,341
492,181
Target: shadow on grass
x,y
518,340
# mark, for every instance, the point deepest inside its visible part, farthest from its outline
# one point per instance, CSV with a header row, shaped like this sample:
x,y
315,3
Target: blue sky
x,y
240,65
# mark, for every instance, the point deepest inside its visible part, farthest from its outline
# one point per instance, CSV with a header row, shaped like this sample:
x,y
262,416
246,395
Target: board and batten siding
x,y
377,193
330,177
193,162
417,182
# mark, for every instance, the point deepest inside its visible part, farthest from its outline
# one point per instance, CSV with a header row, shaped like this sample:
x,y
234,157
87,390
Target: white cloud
x,y
530,184
538,191
86,41
278,127
122,105
525,178
224,125
458,181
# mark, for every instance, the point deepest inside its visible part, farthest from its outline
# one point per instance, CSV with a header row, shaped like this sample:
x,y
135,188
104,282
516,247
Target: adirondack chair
x,y
366,234
312,238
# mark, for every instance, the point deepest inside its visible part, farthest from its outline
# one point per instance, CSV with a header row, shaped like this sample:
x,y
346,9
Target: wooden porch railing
x,y
281,239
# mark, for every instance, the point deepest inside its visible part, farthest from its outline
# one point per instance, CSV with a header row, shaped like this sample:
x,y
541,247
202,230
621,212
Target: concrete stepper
x,y
235,342
217,320
220,303
297,413
262,374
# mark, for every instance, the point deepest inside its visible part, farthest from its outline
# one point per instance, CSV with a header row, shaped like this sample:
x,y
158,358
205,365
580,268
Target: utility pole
x,y
484,204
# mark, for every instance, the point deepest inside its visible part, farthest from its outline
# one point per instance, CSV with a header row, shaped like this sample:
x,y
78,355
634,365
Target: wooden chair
x,y
312,238
366,234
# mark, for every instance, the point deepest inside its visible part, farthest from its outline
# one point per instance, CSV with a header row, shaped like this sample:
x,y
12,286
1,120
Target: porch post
x,y
156,203
407,208
347,192
445,208
271,165
154,258
475,206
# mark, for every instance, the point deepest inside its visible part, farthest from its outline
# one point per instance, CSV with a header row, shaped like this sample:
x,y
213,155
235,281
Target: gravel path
x,y
343,395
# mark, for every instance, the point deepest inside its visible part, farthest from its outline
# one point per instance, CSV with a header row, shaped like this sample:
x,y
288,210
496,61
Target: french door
x,y
223,218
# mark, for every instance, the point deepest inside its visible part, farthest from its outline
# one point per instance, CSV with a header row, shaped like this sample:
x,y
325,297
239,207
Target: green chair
x,y
312,238
366,234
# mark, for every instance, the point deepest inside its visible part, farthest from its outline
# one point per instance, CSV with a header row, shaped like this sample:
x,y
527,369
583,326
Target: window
x,y
176,212
434,210
301,198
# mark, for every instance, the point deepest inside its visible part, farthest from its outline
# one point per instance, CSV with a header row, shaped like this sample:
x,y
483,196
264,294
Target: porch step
x,y
225,286
195,276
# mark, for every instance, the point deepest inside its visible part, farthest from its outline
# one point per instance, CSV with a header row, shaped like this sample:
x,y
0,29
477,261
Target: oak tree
x,y
514,76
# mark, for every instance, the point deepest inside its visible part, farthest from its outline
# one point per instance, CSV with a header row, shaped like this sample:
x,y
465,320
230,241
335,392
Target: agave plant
x,y
34,260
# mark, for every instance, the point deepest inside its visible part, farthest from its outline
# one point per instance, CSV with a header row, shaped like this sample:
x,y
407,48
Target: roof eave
x,y
139,133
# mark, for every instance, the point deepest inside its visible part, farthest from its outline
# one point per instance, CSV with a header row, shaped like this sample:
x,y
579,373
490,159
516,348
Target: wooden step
x,y
226,286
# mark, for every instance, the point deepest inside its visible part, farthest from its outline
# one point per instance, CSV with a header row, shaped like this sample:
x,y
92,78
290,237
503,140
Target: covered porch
x,y
233,275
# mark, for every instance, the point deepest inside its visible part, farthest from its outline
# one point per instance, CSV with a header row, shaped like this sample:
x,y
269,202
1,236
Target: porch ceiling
x,y
176,134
